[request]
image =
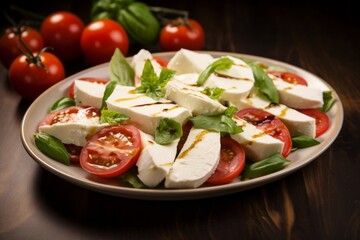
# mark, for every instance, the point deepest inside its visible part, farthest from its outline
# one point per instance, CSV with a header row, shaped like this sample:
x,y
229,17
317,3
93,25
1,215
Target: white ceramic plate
x,y
74,173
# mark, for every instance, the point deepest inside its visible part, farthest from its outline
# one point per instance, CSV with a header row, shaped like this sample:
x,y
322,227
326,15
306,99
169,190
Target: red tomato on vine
x,y
9,43
182,33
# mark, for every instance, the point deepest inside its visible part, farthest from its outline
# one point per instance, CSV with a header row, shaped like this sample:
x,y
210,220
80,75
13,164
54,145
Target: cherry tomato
x,y
289,77
270,124
30,79
232,162
9,43
322,120
182,33
162,61
62,32
88,79
111,151
100,39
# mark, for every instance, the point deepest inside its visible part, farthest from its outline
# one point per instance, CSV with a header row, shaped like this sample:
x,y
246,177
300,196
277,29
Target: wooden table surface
x,y
319,201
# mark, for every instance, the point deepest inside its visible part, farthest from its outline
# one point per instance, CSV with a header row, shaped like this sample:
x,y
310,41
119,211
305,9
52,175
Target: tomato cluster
x,y
32,70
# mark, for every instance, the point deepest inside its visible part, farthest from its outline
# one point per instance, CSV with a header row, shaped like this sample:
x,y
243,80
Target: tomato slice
x,y
162,61
88,79
70,114
270,124
322,120
74,152
231,164
289,77
111,151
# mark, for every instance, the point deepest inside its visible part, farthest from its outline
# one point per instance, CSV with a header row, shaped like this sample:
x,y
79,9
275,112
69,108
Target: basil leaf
x,y
139,23
120,70
219,123
213,93
52,147
62,103
264,84
151,84
168,131
328,101
230,111
112,117
108,91
130,177
220,64
303,142
269,165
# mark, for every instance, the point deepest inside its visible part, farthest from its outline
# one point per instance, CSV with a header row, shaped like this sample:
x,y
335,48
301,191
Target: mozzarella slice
x,y
298,96
76,131
138,63
237,81
186,61
297,123
197,160
192,97
88,93
155,160
145,112
257,144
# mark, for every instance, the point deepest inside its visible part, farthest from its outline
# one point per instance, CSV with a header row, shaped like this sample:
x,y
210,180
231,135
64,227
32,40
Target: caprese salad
x,y
193,121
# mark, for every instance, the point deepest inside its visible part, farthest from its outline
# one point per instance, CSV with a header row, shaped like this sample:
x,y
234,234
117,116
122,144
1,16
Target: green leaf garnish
x,y
120,70
52,147
220,64
130,177
303,142
328,101
220,123
151,84
213,93
264,84
62,103
269,165
112,117
168,131
108,91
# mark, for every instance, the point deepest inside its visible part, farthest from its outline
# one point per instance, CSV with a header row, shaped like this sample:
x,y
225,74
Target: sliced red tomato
x,y
88,79
289,77
74,152
111,151
162,61
70,114
270,124
231,164
322,120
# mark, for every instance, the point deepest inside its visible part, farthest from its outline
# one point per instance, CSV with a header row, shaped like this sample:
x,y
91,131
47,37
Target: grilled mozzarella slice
x,y
88,93
186,61
257,144
144,112
155,160
298,96
75,131
197,160
192,97
297,123
236,81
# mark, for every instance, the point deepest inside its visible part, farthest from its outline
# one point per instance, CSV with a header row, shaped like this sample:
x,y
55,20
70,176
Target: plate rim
x,y
182,194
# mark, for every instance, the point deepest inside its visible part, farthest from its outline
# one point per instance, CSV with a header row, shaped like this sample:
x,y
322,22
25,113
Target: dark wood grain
x,y
320,201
